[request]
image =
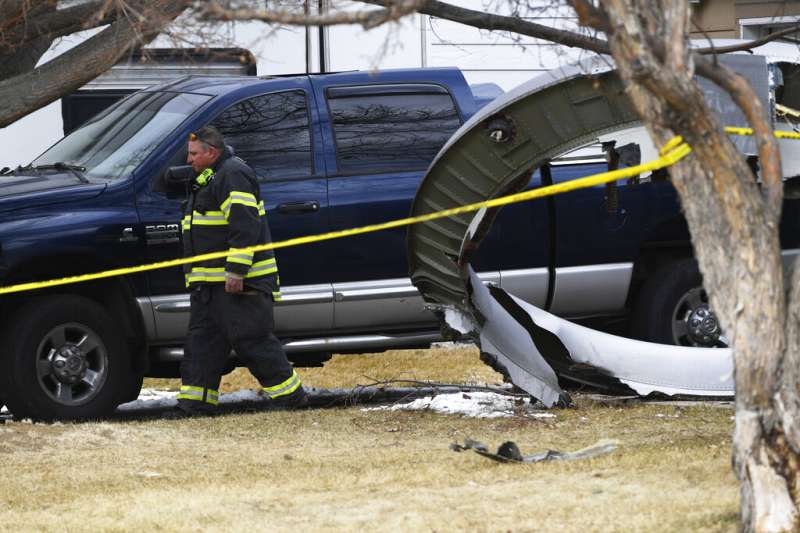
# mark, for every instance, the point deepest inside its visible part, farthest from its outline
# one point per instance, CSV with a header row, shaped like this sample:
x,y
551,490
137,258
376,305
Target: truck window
x,y
386,132
270,132
112,144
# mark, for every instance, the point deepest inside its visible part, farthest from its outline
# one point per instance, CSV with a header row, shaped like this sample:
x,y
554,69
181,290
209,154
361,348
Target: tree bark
x,y
734,228
14,57
34,89
492,22
52,23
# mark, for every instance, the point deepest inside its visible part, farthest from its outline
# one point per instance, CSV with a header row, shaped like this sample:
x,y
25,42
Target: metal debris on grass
x,y
509,452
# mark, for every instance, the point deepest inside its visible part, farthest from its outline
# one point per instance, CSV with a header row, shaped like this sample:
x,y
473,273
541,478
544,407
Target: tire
x,y
672,308
133,387
65,360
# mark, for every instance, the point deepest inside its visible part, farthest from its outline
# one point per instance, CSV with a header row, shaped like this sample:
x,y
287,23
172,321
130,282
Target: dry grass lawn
x,y
446,365
349,469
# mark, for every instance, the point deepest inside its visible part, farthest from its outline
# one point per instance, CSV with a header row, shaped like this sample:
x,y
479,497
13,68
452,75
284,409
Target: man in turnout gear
x,y
231,297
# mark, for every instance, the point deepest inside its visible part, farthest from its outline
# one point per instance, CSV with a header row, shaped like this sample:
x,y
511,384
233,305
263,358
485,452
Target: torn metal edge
x,y
578,352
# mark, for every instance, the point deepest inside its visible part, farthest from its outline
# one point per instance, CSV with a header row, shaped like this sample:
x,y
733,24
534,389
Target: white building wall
x,y
31,135
485,57
504,58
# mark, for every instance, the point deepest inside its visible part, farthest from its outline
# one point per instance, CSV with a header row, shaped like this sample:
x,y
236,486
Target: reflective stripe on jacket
x,y
228,213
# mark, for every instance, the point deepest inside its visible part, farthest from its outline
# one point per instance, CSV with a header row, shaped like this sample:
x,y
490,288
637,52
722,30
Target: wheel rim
x,y
71,364
694,323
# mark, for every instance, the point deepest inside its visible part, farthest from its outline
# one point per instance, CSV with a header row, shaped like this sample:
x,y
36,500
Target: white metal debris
x,y
644,367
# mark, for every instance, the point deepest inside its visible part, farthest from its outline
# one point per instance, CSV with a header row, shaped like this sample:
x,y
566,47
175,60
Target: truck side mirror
x,y
173,181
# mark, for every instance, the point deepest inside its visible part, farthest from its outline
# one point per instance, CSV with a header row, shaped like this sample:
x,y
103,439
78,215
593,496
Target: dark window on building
x,y
386,132
271,133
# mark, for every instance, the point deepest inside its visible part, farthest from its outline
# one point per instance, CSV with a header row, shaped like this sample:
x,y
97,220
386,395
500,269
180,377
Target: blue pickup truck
x,y
331,152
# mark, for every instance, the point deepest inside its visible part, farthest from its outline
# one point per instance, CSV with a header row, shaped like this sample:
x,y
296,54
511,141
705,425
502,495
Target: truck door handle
x,y
128,235
298,207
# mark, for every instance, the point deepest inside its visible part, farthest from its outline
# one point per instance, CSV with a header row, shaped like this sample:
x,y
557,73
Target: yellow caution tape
x,y
749,131
671,153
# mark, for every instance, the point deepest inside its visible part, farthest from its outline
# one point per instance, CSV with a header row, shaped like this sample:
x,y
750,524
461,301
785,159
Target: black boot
x,y
296,400
191,409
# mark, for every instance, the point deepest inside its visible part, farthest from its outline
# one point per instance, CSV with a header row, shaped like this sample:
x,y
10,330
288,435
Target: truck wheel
x,y
65,360
673,308
132,389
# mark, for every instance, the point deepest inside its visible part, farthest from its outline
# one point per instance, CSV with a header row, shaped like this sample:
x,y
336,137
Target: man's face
x,y
201,155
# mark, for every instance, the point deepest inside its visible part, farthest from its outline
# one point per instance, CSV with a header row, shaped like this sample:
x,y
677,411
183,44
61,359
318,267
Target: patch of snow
x,y
244,395
474,404
154,398
150,399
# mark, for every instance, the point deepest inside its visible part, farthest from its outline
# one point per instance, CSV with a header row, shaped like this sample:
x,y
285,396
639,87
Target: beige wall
x,y
716,18
720,18
755,9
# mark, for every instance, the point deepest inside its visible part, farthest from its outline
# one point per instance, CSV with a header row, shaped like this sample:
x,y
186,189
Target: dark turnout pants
x,y
221,321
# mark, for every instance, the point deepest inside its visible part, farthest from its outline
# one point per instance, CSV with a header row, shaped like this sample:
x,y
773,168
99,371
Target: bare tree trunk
x,y
734,227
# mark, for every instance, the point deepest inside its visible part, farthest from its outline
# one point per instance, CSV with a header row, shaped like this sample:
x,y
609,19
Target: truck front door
x,y
275,133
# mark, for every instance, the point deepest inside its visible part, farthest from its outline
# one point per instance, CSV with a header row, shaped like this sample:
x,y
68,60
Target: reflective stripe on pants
x,y
200,394
220,321
285,388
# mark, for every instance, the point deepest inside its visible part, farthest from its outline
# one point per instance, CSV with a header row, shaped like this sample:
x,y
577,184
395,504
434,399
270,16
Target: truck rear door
x,y
598,235
277,133
383,136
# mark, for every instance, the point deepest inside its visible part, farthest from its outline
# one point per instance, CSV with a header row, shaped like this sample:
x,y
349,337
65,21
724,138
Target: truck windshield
x,y
112,144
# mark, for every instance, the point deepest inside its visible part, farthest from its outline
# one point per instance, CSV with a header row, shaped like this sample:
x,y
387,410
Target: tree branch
x,y
27,92
14,12
437,385
491,22
748,45
590,16
740,91
394,10
59,23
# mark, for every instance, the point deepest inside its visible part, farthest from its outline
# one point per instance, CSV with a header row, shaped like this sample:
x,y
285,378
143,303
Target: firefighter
x,y
232,297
